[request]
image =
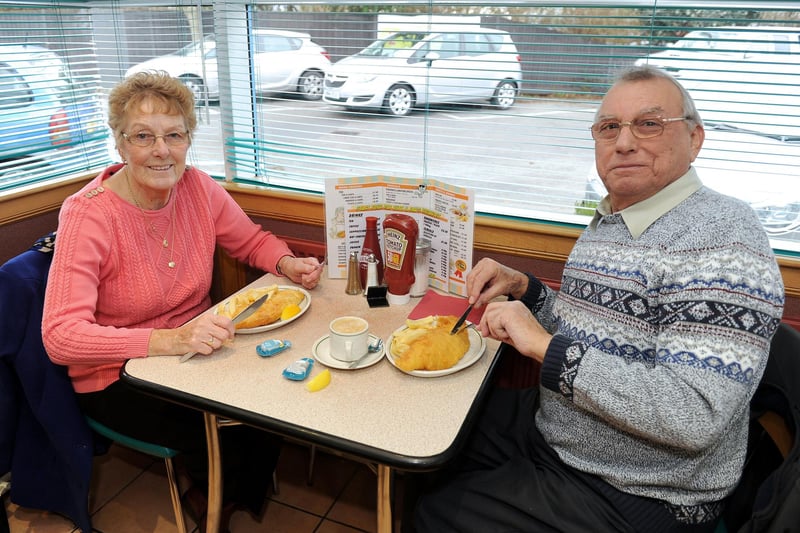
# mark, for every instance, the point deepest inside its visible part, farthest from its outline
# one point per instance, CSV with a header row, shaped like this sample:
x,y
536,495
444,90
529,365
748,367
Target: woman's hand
x,y
303,270
489,279
514,324
203,335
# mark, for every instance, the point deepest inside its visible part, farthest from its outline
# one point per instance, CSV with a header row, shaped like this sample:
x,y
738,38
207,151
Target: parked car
x,y
283,61
416,68
44,112
716,48
760,170
763,100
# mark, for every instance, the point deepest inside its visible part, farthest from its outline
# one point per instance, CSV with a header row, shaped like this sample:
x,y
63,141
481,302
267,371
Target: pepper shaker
x,y
353,280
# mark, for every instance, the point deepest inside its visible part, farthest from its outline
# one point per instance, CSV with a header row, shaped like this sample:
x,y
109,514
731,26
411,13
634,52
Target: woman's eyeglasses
x,y
176,138
641,128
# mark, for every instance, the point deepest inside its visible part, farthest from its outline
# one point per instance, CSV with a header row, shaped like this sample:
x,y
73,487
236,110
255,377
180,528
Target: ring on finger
x,y
210,341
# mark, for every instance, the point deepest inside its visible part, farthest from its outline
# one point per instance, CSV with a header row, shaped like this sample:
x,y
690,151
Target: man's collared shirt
x,y
641,215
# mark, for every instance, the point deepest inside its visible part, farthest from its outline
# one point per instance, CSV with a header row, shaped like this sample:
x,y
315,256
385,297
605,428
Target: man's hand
x,y
489,279
514,324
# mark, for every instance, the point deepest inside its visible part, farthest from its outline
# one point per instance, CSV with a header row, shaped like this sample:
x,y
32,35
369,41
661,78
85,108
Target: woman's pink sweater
x,y
110,284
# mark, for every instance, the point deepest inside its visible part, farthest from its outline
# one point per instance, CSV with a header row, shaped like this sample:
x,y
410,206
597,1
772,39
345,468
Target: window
x,y
51,120
16,92
293,94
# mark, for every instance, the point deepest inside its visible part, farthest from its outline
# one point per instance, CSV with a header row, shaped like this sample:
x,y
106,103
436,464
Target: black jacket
x,y
44,440
768,496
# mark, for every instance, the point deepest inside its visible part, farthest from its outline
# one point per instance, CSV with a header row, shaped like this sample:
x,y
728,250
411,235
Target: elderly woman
x,y
134,263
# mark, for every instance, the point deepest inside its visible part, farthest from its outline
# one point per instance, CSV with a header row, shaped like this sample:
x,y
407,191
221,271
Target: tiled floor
x,y
130,495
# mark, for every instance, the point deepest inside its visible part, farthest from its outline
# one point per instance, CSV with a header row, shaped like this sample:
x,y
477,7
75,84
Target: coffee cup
x,y
349,339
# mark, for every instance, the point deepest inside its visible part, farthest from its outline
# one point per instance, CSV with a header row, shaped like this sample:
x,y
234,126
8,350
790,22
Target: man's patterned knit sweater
x,y
663,324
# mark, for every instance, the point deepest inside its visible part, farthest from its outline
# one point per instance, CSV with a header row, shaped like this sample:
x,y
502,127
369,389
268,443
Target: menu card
x,y
444,213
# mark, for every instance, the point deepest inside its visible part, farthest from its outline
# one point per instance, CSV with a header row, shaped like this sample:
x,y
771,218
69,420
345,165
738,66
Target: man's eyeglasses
x,y
642,128
176,138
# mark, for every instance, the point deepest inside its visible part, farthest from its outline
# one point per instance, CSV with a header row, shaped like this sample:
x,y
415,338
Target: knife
x,y
461,320
244,313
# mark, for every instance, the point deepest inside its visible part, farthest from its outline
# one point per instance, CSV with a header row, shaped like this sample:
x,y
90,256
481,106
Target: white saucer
x,y
321,351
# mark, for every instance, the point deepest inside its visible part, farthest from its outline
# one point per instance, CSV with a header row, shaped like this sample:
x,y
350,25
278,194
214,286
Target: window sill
x,y
547,242
540,241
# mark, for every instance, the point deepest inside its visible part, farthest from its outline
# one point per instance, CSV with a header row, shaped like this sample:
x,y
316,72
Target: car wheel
x,y
197,87
505,94
399,100
310,85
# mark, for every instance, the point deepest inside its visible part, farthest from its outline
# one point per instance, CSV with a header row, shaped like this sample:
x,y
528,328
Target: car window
x,y
782,43
495,41
208,45
15,92
773,43
476,44
395,44
696,39
446,45
276,43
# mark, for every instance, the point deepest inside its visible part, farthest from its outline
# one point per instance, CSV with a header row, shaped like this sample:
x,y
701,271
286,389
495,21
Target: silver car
x,y
284,61
415,68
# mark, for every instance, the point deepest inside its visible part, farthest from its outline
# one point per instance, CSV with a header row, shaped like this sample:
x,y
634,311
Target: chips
x,y
426,344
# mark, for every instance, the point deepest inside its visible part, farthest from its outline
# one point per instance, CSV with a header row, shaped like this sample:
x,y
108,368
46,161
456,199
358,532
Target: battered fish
x,y
269,312
426,344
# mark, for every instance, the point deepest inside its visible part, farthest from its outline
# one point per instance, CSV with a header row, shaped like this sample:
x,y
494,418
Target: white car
x,y
284,61
757,98
717,48
415,68
759,170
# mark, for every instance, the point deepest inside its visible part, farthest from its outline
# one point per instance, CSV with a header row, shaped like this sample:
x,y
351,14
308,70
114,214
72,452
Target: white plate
x,y
303,308
322,353
477,345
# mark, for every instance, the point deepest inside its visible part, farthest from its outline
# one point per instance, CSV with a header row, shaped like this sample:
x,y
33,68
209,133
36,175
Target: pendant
x,y
165,243
171,264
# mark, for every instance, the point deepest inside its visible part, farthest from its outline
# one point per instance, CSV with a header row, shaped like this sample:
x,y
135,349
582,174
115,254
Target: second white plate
x,y
477,345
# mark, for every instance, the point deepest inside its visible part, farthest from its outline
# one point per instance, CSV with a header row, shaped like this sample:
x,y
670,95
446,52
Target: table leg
x,y
384,499
214,473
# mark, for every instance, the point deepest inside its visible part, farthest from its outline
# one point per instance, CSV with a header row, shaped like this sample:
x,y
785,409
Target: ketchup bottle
x,y
371,246
400,241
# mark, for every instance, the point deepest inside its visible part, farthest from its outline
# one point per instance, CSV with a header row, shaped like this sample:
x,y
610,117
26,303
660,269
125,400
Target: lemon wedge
x,y
320,381
289,311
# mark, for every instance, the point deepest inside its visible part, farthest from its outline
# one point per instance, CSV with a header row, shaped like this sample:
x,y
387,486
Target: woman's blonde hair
x,y
164,93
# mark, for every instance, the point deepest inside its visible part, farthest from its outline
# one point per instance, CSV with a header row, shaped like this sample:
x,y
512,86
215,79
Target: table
x,y
376,414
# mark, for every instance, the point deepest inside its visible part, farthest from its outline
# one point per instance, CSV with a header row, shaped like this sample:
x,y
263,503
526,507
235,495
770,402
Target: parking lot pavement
x,y
530,161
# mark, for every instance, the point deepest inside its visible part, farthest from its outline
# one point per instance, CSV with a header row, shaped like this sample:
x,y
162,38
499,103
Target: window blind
x,y
51,119
530,159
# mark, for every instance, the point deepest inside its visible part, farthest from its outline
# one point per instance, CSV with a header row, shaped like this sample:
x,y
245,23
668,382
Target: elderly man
x,y
650,351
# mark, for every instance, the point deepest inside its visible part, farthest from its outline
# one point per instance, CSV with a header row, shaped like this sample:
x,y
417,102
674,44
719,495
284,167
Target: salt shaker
x,y
421,259
372,272
353,280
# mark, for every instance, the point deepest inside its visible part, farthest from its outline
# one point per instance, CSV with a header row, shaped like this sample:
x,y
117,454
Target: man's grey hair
x,y
649,72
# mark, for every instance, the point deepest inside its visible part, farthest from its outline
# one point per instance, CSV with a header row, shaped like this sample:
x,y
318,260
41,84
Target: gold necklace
x,y
151,227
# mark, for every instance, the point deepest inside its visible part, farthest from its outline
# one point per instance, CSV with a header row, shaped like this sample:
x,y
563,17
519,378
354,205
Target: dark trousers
x,y
509,480
249,455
